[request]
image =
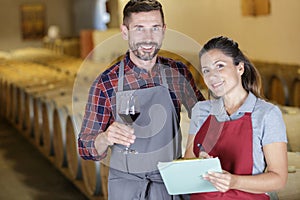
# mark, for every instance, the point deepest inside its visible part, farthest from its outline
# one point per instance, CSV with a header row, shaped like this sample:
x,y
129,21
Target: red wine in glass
x,y
129,110
129,118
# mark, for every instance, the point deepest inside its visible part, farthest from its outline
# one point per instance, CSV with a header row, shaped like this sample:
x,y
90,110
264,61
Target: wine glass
x,y
129,110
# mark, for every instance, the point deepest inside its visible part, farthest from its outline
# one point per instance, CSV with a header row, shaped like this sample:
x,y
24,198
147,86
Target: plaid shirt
x,y
99,112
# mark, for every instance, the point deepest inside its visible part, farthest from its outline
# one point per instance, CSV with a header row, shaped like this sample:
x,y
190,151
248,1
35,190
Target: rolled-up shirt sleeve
x,y
98,116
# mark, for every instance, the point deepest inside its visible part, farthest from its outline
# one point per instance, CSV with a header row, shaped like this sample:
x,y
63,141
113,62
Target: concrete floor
x,y
28,175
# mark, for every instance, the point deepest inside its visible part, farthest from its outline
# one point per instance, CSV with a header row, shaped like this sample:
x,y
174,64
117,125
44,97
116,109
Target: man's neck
x,y
147,65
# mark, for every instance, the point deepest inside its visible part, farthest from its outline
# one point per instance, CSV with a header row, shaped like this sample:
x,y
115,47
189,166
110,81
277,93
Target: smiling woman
x,y
238,126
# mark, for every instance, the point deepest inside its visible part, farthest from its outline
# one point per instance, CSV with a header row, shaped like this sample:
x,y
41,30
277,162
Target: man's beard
x,y
138,52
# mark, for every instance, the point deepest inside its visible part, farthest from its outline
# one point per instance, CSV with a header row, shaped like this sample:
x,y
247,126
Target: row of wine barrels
x,y
60,95
4,92
280,82
28,100
62,63
48,111
22,75
65,147
68,46
19,76
73,157
18,99
282,93
95,183
291,116
278,91
2,98
48,107
40,104
95,177
59,134
296,93
62,144
47,126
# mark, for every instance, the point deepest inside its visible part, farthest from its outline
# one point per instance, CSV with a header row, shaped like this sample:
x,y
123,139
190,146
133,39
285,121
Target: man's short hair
x,y
136,6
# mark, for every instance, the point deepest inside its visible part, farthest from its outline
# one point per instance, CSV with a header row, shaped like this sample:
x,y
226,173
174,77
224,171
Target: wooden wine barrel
x,y
50,100
104,171
95,178
48,106
291,116
4,89
91,177
60,63
37,121
64,64
73,158
25,111
12,103
278,91
8,98
3,99
60,115
4,55
294,159
291,190
24,75
2,93
19,109
296,93
58,96
17,103
28,116
52,94
88,170
47,126
46,85
31,117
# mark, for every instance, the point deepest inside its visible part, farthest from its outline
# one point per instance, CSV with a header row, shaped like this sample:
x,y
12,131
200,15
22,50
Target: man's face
x,y
145,33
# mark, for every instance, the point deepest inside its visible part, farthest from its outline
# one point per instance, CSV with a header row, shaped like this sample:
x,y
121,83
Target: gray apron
x,y
158,138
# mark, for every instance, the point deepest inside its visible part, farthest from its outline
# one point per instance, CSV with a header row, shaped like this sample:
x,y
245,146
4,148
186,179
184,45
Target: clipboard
x,y
185,176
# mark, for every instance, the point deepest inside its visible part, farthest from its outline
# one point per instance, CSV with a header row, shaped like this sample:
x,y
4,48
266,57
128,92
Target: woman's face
x,y
220,75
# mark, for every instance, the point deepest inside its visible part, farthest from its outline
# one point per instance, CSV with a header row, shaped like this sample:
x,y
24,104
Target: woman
x,y
246,132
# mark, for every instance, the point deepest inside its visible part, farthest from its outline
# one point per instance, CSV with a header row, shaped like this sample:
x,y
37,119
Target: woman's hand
x,y
222,181
204,155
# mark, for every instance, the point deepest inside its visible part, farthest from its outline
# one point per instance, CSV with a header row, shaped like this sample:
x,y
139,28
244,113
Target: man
x,y
161,85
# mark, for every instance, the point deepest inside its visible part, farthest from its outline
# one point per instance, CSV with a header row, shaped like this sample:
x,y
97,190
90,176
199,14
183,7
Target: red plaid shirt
x,y
99,112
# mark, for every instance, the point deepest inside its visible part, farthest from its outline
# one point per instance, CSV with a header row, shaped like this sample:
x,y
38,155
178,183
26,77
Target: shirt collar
x,y
129,65
248,105
218,107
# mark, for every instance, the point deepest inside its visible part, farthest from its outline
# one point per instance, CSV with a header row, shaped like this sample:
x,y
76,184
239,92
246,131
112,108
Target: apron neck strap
x,y
164,77
121,77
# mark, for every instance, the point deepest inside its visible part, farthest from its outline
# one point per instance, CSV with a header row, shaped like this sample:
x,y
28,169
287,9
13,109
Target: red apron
x,y
231,141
